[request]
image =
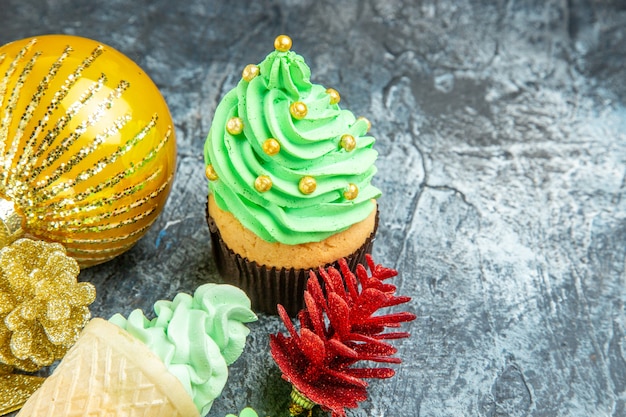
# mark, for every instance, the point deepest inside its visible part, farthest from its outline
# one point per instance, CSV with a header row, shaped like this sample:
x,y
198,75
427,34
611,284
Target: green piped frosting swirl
x,y
196,337
308,147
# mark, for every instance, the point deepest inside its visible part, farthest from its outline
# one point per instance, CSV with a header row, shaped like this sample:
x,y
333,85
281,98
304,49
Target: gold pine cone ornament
x,y
87,147
42,306
42,311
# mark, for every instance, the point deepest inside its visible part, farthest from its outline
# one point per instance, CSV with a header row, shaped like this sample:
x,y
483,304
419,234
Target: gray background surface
x,y
501,129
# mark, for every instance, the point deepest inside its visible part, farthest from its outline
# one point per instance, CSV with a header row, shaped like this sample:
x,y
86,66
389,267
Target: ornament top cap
x,y
282,43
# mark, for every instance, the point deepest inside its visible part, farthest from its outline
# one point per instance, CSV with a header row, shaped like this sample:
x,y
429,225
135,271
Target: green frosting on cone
x,y
196,337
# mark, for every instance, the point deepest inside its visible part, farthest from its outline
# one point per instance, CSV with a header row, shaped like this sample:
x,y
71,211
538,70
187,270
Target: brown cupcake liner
x,y
267,287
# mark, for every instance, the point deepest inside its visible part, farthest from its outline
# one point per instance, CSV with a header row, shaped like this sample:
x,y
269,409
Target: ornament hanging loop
x,y
10,223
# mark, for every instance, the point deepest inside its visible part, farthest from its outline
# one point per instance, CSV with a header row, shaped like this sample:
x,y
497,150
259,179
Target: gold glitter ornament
x,y
87,146
42,306
298,110
307,185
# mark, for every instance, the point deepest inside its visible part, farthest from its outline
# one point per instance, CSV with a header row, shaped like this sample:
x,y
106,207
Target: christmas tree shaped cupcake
x,y
289,179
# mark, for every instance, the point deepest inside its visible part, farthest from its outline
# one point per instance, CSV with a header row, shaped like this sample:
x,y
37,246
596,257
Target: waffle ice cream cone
x,y
108,372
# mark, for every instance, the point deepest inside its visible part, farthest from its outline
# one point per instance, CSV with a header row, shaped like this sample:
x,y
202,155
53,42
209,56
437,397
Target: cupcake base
x,y
267,287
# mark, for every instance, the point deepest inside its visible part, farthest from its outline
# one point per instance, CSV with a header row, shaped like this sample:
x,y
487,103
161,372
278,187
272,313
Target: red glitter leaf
x,y
287,321
342,349
392,335
351,282
379,271
313,347
314,288
389,319
339,314
371,372
315,314
368,303
338,283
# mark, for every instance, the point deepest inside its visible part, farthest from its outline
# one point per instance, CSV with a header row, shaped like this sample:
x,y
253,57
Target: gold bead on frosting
x,y
334,95
348,142
307,185
369,124
263,183
249,72
210,173
298,110
271,146
234,126
282,43
351,192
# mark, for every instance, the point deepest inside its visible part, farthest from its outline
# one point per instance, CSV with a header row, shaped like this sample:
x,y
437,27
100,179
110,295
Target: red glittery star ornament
x,y
338,329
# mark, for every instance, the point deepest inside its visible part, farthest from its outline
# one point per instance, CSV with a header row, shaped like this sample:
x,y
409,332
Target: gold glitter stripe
x,y
25,170
84,257
64,90
88,253
105,241
58,208
61,149
104,227
114,180
8,118
7,76
85,151
77,222
27,115
43,121
101,164
78,225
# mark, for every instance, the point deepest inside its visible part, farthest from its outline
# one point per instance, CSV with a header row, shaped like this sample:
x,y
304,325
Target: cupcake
x,y
289,181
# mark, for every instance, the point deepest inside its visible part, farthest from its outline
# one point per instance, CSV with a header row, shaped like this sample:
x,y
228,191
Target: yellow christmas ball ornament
x,y
87,147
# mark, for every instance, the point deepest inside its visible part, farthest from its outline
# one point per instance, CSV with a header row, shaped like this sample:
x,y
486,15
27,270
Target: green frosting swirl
x,y
196,337
308,147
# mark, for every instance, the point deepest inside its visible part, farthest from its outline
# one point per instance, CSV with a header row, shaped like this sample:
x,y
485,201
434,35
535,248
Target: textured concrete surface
x,y
501,129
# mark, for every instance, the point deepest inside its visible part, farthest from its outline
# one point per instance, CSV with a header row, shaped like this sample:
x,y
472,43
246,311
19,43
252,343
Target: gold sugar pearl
x,y
263,183
369,124
282,43
271,146
249,72
334,95
234,126
351,192
307,185
210,173
298,110
348,142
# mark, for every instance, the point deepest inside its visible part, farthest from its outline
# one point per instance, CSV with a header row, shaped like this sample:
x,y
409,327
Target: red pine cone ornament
x,y
338,328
